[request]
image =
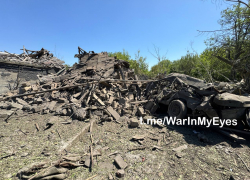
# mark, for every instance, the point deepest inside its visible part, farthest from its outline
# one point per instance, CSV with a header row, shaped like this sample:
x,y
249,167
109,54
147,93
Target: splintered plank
x,y
98,99
72,140
113,113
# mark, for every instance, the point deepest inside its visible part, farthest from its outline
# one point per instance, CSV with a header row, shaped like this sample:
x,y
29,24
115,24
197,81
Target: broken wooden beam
x,y
138,102
98,99
40,92
113,113
72,140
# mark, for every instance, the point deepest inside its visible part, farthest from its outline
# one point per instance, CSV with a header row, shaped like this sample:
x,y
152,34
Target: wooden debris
x,y
137,148
23,132
110,177
157,147
6,156
141,112
70,142
114,153
98,99
6,119
243,162
110,100
180,148
91,156
113,113
139,137
37,127
58,134
91,177
230,135
41,92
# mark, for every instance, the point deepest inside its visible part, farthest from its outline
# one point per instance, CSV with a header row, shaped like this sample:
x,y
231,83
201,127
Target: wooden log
x,y
40,92
70,142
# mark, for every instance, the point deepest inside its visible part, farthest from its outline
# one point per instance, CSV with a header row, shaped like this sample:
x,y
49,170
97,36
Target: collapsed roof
x,y
42,57
189,80
100,62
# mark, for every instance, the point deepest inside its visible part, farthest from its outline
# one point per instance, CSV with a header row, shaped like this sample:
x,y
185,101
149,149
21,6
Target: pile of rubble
x,y
98,86
103,88
42,57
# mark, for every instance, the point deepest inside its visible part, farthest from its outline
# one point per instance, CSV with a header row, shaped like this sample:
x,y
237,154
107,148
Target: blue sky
x,y
107,25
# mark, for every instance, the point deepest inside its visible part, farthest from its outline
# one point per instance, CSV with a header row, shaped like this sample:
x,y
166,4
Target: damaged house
x,y
19,68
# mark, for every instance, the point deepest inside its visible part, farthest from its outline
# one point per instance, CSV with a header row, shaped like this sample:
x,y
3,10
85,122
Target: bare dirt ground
x,y
151,157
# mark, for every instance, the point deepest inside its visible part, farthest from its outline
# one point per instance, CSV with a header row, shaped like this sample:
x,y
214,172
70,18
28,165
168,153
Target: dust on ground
x,y
151,156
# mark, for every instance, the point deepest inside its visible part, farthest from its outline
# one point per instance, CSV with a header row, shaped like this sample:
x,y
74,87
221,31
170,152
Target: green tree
x,y
231,44
139,64
143,66
210,67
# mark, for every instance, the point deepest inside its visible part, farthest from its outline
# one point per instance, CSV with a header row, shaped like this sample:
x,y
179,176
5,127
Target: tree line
x,y
226,57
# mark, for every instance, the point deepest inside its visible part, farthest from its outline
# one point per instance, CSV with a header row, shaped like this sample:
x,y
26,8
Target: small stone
x,y
141,112
180,154
123,119
134,122
120,162
4,105
120,173
64,112
20,101
87,161
8,176
122,101
180,148
202,138
19,112
160,174
6,112
110,177
24,154
138,137
39,100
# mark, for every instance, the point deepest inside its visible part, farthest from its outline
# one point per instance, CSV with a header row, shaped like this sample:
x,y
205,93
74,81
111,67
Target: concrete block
x,y
120,162
134,122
